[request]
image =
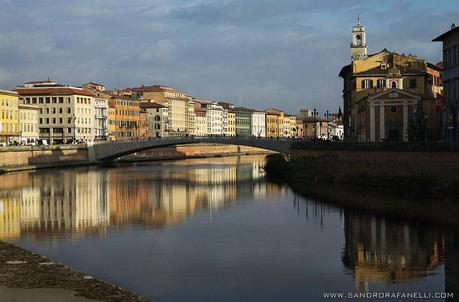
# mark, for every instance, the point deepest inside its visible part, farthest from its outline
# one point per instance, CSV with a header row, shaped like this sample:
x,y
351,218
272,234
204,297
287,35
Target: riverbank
x,y
25,275
368,186
427,169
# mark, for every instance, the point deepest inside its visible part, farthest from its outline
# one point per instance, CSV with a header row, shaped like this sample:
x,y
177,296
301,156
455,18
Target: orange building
x,y
124,118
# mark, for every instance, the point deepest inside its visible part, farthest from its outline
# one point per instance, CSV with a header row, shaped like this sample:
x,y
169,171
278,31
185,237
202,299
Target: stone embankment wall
x,y
420,170
35,157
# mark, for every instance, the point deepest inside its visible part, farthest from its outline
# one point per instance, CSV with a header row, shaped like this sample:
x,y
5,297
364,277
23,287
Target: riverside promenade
x,y
27,277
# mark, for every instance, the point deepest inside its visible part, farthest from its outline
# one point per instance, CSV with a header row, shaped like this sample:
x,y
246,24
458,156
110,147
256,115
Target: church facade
x,y
389,96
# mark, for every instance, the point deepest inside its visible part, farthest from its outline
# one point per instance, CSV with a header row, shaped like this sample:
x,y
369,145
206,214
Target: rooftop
x,y
55,91
145,105
454,29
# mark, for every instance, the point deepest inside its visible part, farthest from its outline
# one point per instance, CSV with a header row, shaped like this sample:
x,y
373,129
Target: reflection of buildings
x,y
85,201
169,195
378,250
51,204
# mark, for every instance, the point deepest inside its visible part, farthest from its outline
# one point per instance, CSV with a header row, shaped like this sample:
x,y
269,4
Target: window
x,y
393,84
367,84
413,83
381,83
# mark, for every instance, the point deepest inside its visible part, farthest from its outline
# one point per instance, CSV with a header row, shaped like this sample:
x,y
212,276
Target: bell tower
x,y
359,49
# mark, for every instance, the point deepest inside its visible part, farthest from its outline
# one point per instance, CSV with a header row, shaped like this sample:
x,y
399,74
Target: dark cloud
x,y
260,53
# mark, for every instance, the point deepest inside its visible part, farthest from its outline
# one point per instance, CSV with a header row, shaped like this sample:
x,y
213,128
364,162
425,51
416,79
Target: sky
x,y
255,53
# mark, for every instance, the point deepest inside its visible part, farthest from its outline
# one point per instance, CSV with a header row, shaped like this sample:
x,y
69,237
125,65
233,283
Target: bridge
x,y
109,151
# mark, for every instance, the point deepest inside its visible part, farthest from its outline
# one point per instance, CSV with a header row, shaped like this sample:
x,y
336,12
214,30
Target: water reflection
x,y
381,250
86,201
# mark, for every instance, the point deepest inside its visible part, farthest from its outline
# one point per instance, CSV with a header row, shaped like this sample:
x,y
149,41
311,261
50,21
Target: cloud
x,y
261,53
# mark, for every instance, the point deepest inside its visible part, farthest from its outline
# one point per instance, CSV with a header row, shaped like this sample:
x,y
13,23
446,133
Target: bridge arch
x,y
109,151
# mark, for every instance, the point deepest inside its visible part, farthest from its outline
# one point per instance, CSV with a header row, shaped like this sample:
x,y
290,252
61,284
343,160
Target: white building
x,y
214,120
225,122
66,113
259,124
101,118
200,122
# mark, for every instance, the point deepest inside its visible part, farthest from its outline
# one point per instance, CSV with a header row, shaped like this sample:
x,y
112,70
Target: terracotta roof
x,y
145,105
55,91
380,71
200,110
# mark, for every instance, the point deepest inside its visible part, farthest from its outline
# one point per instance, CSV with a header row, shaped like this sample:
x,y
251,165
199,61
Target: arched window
x,y
358,40
393,84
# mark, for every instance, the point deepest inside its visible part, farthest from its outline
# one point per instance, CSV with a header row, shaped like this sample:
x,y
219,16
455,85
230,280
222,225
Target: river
x,y
217,230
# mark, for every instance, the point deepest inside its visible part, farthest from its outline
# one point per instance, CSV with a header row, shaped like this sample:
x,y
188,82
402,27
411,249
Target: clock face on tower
x,y
357,55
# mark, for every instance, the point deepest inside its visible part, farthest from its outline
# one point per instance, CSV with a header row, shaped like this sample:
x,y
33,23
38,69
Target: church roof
x,y
442,37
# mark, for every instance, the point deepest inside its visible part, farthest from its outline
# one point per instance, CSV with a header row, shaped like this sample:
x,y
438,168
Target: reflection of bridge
x,y
109,151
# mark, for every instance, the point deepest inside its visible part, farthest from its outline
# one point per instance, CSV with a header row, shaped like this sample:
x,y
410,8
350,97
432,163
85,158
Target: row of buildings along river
x,y
58,113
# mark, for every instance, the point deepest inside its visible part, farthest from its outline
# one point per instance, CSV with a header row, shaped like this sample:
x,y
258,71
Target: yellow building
x,y
389,96
9,118
274,123
231,129
28,123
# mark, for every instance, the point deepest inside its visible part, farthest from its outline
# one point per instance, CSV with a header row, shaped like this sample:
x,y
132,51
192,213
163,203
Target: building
x,y
274,123
28,123
124,118
100,118
94,86
177,102
214,119
143,130
9,118
231,123
316,128
259,124
190,118
450,120
299,127
389,96
200,122
243,121
156,117
111,121
289,126
66,113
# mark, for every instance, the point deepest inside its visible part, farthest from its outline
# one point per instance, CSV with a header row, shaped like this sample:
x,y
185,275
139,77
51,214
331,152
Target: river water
x,y
217,230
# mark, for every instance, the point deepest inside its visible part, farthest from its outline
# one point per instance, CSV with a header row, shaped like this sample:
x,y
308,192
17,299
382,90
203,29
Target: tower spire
x,y
358,20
